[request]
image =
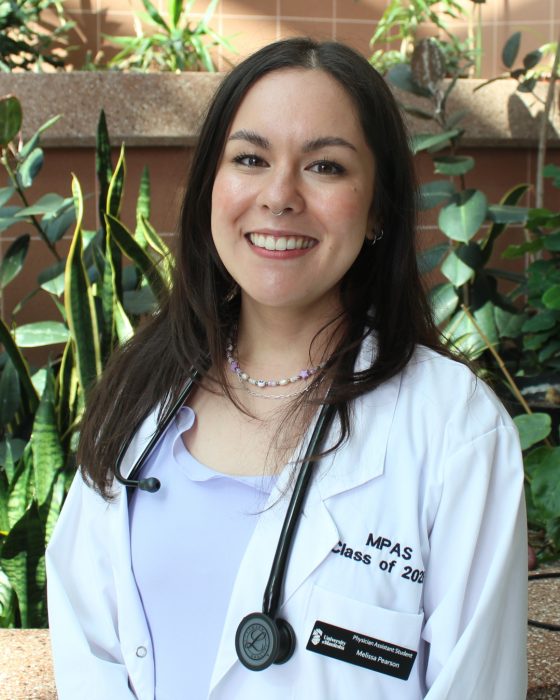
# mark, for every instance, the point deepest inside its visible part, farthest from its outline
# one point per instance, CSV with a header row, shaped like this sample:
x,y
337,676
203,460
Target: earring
x,y
377,236
233,292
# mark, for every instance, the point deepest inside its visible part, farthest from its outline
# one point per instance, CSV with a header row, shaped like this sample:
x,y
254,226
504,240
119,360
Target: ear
x,y
372,225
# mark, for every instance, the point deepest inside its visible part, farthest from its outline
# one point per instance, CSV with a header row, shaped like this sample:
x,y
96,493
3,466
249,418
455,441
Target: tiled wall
x,y
252,23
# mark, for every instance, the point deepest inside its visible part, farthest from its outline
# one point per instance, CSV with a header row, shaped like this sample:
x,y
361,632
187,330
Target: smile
x,y
260,240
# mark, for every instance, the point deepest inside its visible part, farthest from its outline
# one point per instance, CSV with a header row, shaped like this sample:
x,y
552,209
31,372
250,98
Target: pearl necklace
x,y
245,378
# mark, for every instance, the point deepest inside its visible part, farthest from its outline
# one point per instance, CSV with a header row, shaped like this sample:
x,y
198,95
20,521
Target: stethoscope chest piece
x,y
261,641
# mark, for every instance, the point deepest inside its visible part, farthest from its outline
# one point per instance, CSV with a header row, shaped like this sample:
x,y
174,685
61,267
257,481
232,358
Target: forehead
x,y
299,102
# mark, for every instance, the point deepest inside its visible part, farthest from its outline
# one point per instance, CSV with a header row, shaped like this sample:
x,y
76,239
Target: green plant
x,y
401,22
470,224
24,43
177,44
98,300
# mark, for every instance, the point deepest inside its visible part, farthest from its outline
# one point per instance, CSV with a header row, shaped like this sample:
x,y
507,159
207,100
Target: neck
x,y
272,342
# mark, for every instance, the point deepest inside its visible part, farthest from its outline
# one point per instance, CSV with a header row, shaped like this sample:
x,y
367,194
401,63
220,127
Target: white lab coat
x,y
431,480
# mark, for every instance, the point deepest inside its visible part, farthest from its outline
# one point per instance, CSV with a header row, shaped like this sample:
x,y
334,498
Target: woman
x,y
296,281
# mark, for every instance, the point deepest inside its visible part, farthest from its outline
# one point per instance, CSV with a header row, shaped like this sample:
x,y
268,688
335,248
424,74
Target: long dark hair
x,y
381,293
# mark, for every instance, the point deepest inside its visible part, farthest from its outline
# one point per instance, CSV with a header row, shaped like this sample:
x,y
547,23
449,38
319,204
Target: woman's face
x,y
295,144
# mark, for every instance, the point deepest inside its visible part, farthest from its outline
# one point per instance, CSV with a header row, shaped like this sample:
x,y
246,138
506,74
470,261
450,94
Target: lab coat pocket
x,y
350,649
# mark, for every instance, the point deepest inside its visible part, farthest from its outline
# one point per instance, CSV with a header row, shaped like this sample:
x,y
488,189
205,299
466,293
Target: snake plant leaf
x,y
109,298
511,198
154,15
155,241
103,165
545,485
23,561
116,184
532,428
123,326
507,214
444,300
40,333
79,303
66,389
143,206
10,393
11,449
139,257
4,522
30,167
21,487
11,117
48,455
464,215
456,271
511,49
20,364
13,260
54,505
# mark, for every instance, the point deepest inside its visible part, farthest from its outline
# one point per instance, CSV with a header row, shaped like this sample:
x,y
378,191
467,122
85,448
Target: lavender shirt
x,y
187,541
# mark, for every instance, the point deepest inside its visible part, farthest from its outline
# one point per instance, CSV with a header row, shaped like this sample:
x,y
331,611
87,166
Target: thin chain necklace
x,y
246,379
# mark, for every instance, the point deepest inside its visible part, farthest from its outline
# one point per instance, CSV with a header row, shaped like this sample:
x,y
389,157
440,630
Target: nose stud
x,y
278,213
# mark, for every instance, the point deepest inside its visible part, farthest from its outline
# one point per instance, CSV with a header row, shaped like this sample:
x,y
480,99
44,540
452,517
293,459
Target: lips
x,y
281,243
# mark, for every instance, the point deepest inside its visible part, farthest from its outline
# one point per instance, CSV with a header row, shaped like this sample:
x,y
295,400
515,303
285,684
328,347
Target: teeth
x,y
280,243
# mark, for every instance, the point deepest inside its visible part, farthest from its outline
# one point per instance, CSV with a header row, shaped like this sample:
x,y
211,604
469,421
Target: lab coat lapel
x,y
358,461
316,535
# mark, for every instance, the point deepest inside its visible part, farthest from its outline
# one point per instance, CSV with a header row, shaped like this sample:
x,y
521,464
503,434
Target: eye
x,y
249,160
327,167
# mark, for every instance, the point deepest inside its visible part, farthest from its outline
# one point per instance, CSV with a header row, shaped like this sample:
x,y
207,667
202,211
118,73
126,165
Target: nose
x,y
281,192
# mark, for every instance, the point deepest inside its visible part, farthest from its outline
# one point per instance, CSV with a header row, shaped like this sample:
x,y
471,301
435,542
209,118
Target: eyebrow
x,y
308,147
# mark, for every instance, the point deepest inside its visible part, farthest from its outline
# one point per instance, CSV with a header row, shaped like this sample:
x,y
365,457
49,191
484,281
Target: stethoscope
x,y
262,638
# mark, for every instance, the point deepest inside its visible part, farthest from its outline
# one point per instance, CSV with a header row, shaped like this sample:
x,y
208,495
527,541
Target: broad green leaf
x,y
510,198
401,76
30,167
506,214
80,307
511,49
464,215
35,335
470,254
55,225
545,486
551,298
517,251
421,142
140,301
52,278
23,561
456,271
444,300
552,242
47,204
531,59
453,165
6,193
430,258
542,321
532,428
550,349
463,333
39,380
20,364
11,117
26,148
48,455
508,324
10,393
434,193
13,260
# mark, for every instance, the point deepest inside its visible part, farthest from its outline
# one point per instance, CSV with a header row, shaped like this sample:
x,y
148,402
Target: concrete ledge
x,y
26,662
159,109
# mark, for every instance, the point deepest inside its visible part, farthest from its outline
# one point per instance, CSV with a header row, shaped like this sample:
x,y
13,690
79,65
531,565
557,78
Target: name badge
x,y
360,650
